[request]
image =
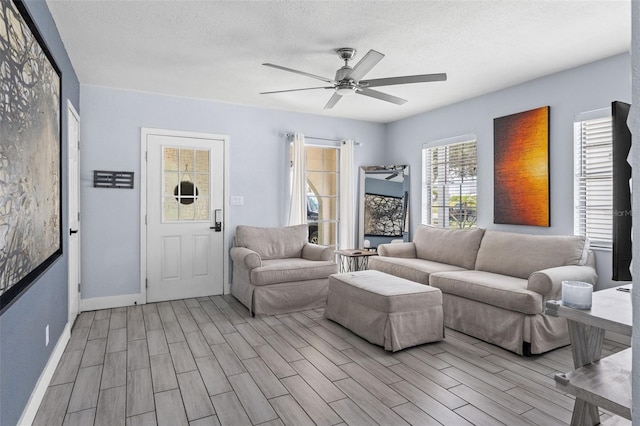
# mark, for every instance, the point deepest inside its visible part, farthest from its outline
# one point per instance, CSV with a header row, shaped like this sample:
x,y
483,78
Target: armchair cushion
x,y
316,252
273,243
292,269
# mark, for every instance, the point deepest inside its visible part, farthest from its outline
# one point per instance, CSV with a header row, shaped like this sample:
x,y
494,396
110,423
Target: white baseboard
x,y
31,409
108,302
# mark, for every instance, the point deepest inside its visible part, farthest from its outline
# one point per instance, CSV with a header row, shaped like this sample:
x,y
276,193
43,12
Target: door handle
x,y
72,231
217,218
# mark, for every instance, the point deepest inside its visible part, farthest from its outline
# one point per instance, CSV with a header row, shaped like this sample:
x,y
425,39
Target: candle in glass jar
x,y
577,294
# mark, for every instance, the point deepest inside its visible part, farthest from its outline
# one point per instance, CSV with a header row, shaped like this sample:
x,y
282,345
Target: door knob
x,y
73,231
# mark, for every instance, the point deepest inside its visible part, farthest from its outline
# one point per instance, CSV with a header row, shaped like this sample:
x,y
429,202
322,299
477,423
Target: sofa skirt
x,y
504,328
281,298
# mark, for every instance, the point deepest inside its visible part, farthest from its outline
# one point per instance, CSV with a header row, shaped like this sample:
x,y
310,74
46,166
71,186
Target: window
x,y
593,171
185,177
449,183
322,165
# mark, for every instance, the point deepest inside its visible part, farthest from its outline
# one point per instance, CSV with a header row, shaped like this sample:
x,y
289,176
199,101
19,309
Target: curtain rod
x,y
322,139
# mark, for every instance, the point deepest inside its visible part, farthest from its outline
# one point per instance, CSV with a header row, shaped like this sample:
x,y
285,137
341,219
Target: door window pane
x,y
331,160
321,169
187,212
202,182
315,158
187,162
171,159
170,182
170,209
202,161
202,208
185,184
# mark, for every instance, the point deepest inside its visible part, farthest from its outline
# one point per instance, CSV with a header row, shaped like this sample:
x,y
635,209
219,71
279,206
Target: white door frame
x,y
73,308
144,132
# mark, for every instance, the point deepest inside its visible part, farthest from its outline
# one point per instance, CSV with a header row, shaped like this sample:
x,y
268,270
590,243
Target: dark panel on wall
x,y
622,216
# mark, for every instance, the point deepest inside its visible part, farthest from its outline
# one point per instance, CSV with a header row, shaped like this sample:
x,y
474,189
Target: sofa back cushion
x,y
519,255
273,243
457,247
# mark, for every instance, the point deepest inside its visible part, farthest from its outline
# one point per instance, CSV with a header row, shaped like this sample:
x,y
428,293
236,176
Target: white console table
x,y
597,382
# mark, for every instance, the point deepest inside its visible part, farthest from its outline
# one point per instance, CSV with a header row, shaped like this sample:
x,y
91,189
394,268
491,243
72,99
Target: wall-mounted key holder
x,y
107,179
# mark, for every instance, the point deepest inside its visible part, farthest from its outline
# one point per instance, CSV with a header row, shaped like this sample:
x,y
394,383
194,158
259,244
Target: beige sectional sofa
x,y
494,284
276,270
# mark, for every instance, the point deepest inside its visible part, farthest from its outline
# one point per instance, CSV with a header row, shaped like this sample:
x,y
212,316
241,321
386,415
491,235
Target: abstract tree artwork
x,y
383,215
30,189
521,168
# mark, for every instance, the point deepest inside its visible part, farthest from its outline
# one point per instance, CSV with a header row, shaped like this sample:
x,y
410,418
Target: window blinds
x,y
593,186
449,185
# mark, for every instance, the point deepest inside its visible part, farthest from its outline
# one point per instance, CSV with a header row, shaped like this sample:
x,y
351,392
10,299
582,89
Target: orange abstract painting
x,y
521,168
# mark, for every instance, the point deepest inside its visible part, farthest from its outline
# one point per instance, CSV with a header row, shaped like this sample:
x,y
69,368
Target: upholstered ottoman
x,y
385,310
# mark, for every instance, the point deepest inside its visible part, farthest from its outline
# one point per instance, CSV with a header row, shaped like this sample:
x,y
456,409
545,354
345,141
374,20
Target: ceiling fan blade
x,y
365,65
421,78
317,77
333,101
294,90
382,96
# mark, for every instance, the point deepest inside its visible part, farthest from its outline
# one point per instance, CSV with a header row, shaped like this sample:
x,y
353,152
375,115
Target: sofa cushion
x,y
519,255
417,270
492,289
273,243
407,250
453,246
291,269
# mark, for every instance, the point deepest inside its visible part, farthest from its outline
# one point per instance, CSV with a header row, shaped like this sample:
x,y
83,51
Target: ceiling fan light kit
x,y
347,89
348,80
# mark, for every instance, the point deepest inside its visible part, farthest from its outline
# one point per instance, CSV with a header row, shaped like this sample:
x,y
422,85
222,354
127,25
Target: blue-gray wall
x,y
258,162
581,89
23,354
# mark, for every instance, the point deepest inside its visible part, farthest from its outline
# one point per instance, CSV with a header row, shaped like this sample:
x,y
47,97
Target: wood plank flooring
x,y
206,361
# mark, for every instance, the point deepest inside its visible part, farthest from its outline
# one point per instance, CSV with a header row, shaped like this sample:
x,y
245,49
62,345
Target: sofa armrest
x,y
407,250
316,252
548,282
247,257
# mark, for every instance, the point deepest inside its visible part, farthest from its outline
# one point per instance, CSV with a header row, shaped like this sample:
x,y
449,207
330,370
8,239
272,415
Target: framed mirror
x,y
384,205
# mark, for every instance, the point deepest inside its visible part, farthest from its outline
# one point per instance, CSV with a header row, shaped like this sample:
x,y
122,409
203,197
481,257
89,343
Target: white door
x,y
73,186
185,195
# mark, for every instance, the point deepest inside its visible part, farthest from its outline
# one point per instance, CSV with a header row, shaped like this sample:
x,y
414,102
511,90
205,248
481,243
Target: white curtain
x,y
347,196
298,202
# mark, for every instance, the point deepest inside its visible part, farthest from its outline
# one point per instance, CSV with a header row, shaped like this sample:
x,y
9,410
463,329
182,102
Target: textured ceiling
x,y
214,49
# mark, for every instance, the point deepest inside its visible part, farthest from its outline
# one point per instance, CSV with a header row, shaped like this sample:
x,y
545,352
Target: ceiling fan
x,y
348,79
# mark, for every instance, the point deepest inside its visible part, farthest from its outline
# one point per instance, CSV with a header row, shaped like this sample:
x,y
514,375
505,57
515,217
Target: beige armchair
x,y
276,270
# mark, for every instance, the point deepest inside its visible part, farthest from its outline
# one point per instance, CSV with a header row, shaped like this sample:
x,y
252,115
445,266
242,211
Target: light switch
x,y
237,200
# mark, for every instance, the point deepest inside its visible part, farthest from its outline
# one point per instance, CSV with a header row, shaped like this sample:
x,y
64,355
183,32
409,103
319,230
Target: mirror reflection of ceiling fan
x,y
348,79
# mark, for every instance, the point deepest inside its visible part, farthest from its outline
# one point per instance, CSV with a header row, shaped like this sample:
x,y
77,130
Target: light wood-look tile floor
x,y
206,361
